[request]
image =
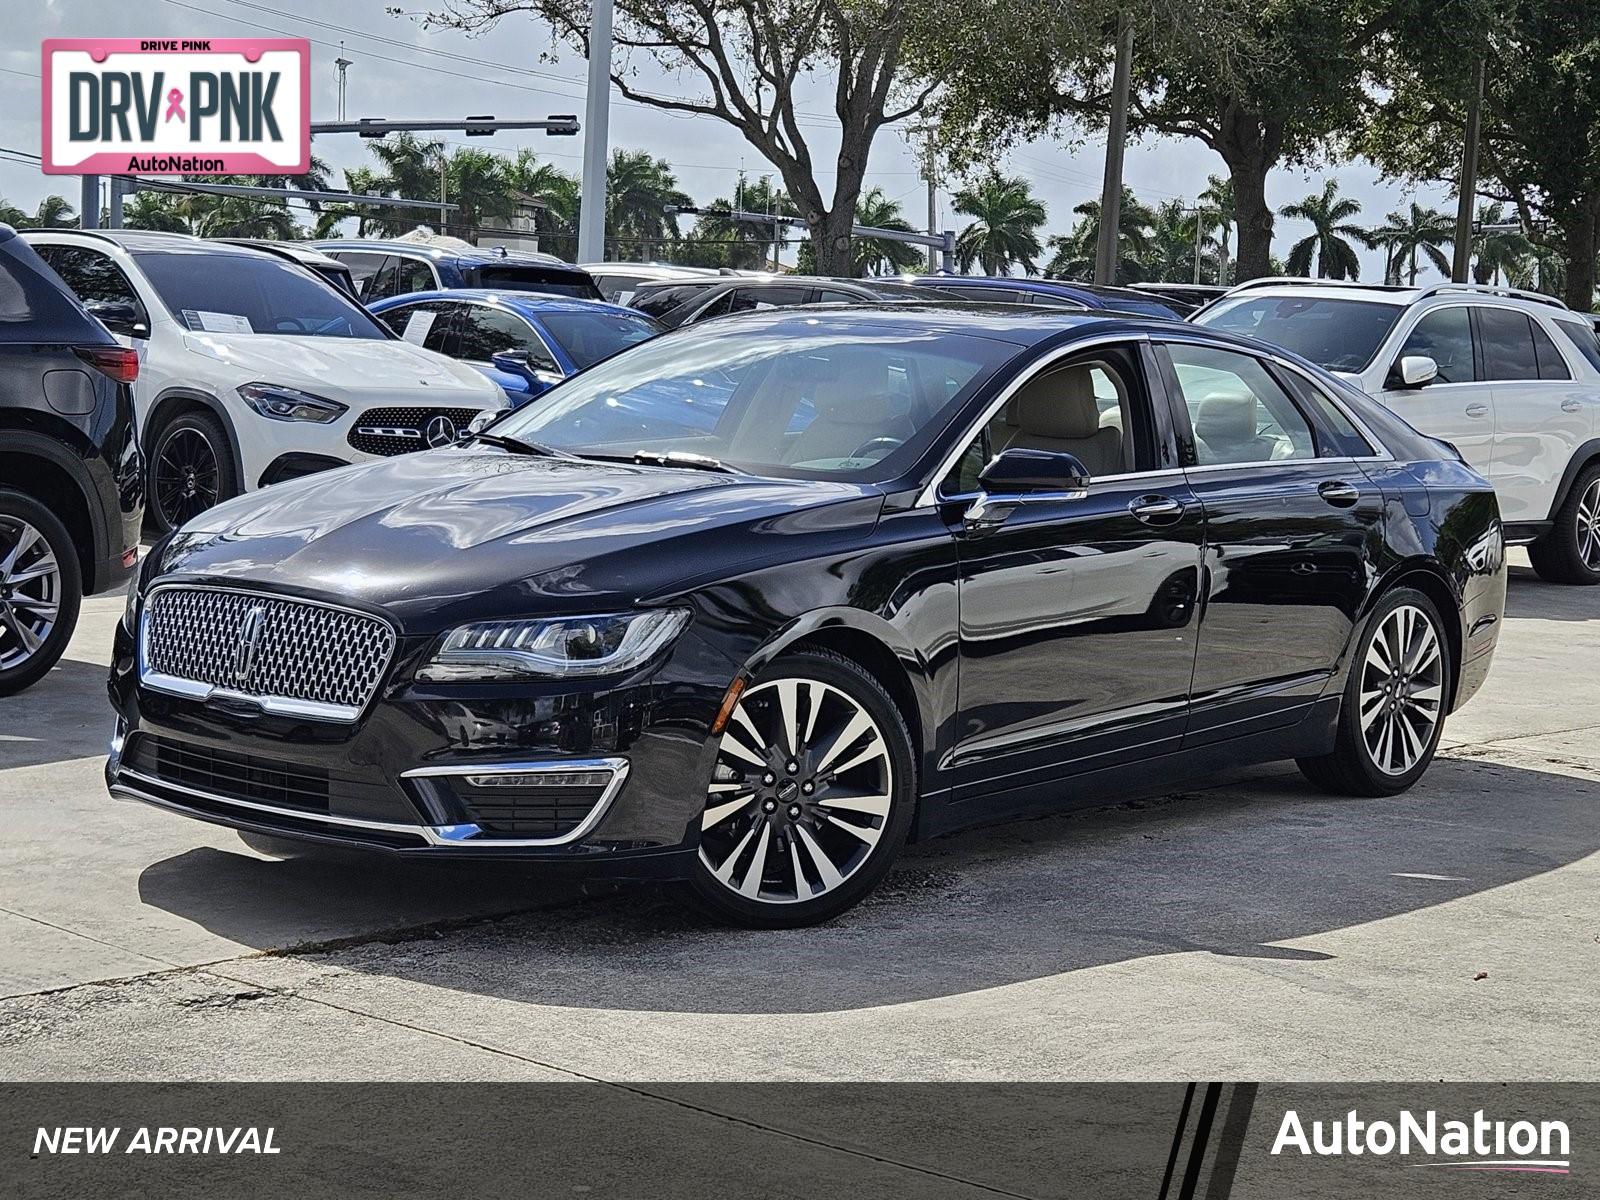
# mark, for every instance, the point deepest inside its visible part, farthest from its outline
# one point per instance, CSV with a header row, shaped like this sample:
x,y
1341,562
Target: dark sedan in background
x,y
896,570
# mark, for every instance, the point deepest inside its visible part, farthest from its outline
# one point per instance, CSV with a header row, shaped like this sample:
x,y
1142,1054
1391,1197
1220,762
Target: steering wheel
x,y
889,443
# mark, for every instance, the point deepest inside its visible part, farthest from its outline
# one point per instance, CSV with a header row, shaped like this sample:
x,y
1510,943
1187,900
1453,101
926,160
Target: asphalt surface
x,y
1247,928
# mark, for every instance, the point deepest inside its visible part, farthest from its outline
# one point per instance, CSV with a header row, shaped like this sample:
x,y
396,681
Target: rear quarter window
x,y
1582,336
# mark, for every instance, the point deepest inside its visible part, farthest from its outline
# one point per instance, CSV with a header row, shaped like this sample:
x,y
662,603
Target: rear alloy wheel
x,y
811,796
1570,551
191,470
1394,702
41,587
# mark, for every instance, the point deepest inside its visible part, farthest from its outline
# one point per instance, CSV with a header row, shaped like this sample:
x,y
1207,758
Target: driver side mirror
x,y
1022,476
1414,371
120,316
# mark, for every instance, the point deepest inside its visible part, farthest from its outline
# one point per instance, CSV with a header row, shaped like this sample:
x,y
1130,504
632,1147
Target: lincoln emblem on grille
x,y
244,653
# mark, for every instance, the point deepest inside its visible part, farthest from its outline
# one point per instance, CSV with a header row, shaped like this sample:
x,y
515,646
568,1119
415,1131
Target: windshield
x,y
808,401
587,337
247,293
1338,334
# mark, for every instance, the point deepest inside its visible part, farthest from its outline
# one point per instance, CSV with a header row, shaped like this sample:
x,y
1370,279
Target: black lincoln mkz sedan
x,y
751,605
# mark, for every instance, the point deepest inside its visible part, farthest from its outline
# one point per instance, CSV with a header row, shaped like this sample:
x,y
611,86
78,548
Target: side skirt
x,y
1311,736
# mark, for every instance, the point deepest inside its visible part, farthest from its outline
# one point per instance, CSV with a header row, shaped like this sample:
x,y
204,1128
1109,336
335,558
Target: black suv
x,y
71,490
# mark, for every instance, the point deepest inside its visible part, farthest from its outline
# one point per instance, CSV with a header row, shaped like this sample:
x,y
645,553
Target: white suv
x,y
252,369
1510,378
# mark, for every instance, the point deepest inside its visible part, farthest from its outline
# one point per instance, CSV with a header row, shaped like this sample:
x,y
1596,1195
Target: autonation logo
x,y
1480,1144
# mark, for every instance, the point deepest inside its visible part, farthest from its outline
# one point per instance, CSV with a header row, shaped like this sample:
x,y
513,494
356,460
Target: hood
x,y
434,534
339,368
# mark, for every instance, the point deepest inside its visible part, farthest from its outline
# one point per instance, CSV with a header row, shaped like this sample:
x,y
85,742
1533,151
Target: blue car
x,y
1053,293
524,342
382,268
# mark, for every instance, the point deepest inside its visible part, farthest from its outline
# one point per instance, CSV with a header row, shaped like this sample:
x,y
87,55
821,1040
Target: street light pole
x,y
1462,258
1105,256
596,118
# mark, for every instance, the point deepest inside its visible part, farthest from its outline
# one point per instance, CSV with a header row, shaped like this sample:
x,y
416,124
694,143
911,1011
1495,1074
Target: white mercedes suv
x,y
253,370
1510,378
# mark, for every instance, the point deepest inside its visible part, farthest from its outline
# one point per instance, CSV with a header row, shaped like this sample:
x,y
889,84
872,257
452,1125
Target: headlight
x,y
553,647
289,404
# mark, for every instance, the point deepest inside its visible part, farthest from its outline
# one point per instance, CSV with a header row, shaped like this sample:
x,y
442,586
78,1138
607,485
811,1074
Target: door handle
x,y
1477,410
1339,493
1571,405
1156,510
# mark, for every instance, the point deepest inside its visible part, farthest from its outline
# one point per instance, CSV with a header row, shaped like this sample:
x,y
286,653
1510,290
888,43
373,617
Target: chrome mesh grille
x,y
303,652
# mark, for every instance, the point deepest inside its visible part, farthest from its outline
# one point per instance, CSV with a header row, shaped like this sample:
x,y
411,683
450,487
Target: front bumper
x,y
610,779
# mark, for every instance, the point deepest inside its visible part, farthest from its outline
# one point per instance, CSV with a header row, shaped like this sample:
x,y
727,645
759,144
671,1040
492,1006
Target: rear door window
x,y
428,324
413,275
1506,338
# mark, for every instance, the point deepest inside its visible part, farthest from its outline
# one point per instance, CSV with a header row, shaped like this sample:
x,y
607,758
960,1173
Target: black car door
x,y
1077,612
1292,530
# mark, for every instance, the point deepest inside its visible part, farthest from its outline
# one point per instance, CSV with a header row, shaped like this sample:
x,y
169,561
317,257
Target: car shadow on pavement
x,y
1528,596
49,722
1234,870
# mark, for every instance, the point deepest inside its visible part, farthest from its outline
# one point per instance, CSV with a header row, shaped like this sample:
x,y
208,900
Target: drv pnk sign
x,y
171,106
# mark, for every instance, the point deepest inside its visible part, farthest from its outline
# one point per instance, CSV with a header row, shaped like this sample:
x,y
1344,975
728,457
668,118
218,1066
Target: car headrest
x,y
1059,405
1226,416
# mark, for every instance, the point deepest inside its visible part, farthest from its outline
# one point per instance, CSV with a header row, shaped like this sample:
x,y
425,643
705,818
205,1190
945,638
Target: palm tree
x,y
879,256
1172,238
1004,230
238,216
480,186
1500,252
1075,252
1217,201
557,193
162,211
639,192
1405,233
743,244
1329,214
10,214
54,213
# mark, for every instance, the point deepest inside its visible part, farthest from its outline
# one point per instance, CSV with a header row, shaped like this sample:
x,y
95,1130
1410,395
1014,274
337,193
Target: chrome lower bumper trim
x,y
451,836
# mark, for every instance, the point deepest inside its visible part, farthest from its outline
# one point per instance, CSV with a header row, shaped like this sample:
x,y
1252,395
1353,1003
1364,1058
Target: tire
x,y
1367,761
191,469
41,589
812,867
1570,551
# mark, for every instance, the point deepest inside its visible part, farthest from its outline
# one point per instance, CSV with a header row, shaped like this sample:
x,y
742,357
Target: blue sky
x,y
402,70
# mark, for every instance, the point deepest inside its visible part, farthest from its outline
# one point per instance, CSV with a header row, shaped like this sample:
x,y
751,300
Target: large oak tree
x,y
1264,83
753,63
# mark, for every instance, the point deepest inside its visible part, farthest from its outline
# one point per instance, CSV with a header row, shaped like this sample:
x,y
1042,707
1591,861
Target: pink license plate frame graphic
x,y
218,161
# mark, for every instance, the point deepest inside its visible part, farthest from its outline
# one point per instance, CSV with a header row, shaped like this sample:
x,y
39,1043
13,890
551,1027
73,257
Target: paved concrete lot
x,y
1249,928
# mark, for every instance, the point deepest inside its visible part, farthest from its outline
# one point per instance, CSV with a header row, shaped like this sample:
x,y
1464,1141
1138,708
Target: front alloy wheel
x,y
810,796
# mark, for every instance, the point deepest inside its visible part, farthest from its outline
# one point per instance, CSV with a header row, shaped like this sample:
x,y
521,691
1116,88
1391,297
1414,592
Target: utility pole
x,y
344,65
1105,256
1462,258
933,198
89,202
444,164
596,118
1197,232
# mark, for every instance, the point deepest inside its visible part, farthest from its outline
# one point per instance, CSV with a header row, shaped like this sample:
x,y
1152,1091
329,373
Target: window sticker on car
x,y
203,321
625,297
417,327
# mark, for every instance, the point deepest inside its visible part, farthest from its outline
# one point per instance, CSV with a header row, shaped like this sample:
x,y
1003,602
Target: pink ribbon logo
x,y
175,105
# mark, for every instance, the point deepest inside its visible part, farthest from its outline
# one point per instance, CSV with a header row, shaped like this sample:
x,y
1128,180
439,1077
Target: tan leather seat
x,y
1225,424
849,416
1057,411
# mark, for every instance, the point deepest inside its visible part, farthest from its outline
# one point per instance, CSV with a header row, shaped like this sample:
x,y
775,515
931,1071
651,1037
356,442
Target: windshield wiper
x,y
681,458
516,445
